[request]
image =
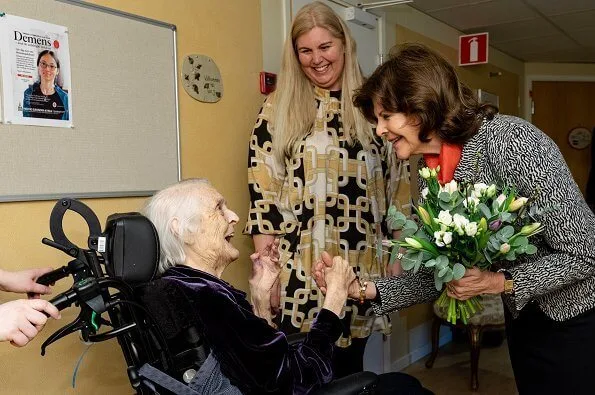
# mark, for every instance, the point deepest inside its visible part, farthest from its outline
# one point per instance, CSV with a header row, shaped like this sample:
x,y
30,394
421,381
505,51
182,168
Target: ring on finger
x,y
400,256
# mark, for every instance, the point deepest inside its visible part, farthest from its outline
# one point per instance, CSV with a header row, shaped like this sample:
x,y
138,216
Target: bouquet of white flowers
x,y
461,225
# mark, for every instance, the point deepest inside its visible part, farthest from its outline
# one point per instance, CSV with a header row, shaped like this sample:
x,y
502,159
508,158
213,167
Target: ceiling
x,y
552,31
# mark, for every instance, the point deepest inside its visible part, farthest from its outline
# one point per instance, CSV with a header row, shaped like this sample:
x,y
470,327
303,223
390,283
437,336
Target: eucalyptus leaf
x,y
502,238
458,271
488,257
418,263
408,262
444,205
430,263
409,229
506,217
441,264
442,260
443,272
507,231
531,249
393,254
444,197
520,241
395,220
449,276
426,255
511,256
485,210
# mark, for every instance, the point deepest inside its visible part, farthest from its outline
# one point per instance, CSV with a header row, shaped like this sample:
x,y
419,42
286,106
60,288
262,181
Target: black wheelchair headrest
x,y
133,250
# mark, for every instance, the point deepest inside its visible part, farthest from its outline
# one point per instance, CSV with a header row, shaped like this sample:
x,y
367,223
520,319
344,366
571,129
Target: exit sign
x,y
473,49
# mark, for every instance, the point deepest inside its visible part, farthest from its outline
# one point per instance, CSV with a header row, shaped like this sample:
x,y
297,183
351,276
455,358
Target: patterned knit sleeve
x,y
530,161
406,290
265,179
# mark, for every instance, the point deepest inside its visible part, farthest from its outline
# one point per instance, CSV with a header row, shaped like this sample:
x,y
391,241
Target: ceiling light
x,y
379,4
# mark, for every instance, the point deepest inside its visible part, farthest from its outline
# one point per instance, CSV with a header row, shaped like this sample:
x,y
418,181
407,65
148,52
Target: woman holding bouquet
x,y
420,106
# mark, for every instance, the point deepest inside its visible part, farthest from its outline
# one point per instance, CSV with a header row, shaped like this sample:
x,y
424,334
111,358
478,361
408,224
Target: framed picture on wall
x,y
487,97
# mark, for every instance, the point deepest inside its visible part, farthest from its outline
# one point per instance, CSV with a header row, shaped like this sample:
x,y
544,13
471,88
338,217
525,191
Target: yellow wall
x,y
214,140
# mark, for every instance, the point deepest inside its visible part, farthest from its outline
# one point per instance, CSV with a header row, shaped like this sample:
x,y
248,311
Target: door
x,y
560,107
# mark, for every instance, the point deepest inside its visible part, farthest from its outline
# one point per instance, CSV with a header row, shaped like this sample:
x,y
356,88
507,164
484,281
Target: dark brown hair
x,y
419,82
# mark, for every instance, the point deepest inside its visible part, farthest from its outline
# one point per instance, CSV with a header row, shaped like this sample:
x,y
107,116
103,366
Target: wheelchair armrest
x,y
361,383
355,384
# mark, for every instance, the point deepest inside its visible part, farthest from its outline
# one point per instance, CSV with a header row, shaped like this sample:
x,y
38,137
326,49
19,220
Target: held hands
x,y
24,281
336,279
23,319
320,270
475,282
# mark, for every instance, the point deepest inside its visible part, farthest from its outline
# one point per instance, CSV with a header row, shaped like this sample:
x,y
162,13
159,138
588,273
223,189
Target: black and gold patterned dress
x,y
329,196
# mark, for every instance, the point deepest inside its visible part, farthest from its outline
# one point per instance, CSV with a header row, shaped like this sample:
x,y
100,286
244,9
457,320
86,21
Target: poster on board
x,y
35,64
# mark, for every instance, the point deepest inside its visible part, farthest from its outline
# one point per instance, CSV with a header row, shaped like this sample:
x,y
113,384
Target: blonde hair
x,y
293,101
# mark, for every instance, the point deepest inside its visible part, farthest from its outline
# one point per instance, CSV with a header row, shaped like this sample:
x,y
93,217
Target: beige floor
x,y
451,371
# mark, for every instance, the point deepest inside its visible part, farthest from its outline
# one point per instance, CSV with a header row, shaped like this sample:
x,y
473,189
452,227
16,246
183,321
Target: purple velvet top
x,y
254,356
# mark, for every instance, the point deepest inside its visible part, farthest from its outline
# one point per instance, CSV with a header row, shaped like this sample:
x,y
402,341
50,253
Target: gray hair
x,y
177,203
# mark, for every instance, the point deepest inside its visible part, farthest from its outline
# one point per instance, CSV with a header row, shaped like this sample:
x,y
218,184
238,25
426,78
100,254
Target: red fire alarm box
x,y
268,82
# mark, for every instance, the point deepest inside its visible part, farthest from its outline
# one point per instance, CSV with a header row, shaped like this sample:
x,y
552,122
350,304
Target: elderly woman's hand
x,y
475,282
265,277
265,268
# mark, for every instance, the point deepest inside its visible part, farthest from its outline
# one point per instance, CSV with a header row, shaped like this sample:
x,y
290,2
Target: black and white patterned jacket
x,y
560,277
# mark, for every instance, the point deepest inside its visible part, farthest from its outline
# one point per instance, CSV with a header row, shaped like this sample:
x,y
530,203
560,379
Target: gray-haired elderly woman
x,y
195,228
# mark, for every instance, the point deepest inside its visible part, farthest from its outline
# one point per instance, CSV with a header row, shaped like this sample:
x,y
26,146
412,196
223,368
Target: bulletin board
x,y
124,139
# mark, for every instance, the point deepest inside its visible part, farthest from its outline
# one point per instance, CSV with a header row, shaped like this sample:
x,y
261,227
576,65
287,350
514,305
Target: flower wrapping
x,y
461,226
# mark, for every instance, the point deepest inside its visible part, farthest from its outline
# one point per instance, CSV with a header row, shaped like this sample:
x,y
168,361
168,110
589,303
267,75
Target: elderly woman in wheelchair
x,y
188,332
247,355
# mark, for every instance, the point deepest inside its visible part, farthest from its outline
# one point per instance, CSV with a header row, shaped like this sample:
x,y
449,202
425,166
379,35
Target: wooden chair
x,y
491,318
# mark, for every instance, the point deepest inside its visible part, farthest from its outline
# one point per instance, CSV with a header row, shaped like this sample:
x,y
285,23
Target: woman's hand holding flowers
x,y
475,282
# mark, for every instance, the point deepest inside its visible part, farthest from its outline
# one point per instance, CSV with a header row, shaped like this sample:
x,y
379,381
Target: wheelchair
x,y
111,279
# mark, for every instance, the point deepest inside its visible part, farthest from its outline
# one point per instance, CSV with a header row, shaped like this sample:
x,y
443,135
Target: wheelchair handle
x,y
53,276
65,299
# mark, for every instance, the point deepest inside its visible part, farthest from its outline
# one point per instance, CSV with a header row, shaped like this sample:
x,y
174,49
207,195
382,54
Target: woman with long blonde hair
x,y
318,178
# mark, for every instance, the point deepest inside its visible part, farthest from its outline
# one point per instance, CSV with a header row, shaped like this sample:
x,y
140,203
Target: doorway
x,y
558,108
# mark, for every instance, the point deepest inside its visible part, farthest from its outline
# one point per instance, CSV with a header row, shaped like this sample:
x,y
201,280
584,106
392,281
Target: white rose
x,y
438,238
447,238
480,188
424,192
445,218
471,229
460,220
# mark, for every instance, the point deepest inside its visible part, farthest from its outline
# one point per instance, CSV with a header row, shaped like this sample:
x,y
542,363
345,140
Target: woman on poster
x,y
44,98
